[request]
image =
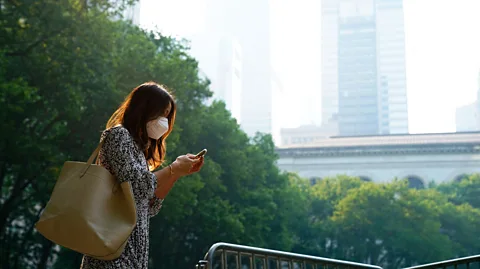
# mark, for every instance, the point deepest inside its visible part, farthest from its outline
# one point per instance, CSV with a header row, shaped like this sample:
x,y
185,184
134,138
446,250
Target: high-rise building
x,y
329,61
251,24
129,13
229,32
132,13
478,87
363,66
228,86
467,118
391,67
477,104
278,107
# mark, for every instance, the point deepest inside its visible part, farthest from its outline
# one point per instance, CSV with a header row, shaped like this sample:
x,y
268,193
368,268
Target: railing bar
x,y
251,261
449,263
293,255
239,250
258,254
224,259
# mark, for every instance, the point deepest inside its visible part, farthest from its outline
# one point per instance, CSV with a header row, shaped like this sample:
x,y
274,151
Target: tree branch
x,y
28,234
46,251
37,42
7,207
56,119
3,169
399,262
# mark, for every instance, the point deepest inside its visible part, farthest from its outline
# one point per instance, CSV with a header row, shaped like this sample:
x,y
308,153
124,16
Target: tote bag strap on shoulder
x,y
94,156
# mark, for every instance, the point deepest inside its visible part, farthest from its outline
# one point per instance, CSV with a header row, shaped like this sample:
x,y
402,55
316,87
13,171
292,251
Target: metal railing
x,y
230,256
470,262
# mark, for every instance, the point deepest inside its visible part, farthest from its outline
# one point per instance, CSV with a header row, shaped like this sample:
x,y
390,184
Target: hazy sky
x,y
442,53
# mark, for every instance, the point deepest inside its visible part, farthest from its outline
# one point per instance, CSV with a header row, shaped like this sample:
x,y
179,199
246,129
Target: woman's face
x,y
158,127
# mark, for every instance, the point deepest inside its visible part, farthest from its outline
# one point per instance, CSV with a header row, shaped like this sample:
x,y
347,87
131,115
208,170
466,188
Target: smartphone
x,y
201,153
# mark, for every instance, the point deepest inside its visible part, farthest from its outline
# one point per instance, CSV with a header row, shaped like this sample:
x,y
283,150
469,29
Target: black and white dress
x,y
124,159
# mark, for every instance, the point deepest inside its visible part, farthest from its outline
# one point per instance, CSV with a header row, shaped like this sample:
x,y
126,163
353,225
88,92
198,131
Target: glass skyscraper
x,y
363,66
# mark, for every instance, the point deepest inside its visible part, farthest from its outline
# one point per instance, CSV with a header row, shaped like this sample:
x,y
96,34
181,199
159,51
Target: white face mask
x,y
157,128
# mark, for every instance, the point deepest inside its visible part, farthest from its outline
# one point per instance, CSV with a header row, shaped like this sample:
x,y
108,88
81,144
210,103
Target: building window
x,y
237,73
364,178
460,177
415,182
314,180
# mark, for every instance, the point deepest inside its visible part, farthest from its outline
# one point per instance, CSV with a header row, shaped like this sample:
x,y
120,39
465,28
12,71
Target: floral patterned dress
x,y
124,159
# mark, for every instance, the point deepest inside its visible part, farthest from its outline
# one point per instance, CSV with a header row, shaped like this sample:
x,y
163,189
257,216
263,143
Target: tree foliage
x,y
64,68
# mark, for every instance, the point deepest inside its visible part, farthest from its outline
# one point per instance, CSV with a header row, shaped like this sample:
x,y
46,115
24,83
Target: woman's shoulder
x,y
117,134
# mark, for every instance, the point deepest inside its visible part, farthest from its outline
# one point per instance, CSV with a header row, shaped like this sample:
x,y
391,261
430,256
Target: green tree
x,y
460,219
463,190
64,68
390,224
397,226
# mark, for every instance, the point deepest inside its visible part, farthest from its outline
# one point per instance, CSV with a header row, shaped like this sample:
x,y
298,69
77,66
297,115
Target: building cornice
x,y
380,150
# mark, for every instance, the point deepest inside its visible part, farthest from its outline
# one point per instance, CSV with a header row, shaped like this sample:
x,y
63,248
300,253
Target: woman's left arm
x,y
165,181
167,177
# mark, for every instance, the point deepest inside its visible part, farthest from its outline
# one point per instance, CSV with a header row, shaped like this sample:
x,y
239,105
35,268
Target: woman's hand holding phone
x,y
200,160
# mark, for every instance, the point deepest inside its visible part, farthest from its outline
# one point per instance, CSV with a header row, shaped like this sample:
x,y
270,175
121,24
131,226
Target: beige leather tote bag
x,y
89,211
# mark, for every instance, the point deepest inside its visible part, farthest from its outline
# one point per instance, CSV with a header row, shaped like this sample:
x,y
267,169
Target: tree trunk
x,y
45,254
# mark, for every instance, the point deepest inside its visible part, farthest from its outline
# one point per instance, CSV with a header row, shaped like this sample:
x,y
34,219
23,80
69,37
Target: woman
x,y
134,145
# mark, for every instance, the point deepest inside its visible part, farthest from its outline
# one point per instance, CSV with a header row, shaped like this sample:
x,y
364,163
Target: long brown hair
x,y
146,102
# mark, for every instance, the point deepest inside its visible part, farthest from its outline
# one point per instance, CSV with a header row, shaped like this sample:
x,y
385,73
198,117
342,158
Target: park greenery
x,y
64,68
